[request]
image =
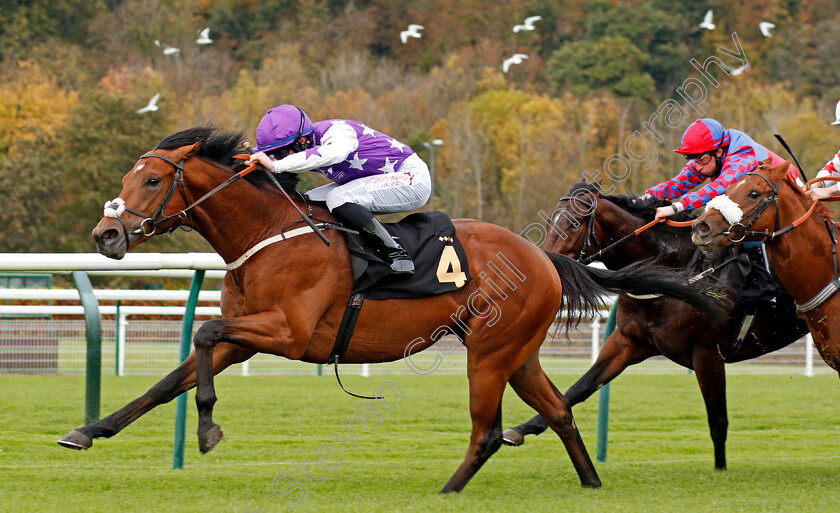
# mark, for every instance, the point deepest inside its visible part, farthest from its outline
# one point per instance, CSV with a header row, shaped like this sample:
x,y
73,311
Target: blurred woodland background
x,y
73,73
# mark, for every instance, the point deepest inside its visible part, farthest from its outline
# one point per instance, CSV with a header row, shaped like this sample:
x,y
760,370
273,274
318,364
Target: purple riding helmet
x,y
280,129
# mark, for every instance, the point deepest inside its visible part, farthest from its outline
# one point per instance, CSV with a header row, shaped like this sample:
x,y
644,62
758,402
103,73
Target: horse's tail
x,y
584,286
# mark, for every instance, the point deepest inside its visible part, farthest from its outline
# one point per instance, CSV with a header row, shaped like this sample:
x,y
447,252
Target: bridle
x,y
738,231
115,207
590,229
590,226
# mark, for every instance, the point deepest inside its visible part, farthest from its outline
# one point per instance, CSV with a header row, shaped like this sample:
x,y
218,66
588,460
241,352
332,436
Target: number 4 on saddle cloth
x,y
440,266
429,239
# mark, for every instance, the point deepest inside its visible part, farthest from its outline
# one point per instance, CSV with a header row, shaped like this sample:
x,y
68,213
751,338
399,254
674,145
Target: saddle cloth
x,y
440,263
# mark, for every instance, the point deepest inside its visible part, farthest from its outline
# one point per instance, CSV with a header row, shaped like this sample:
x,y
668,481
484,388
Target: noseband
x,y
116,207
738,230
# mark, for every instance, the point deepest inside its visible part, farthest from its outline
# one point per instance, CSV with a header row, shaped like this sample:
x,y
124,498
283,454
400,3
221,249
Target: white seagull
x,y
737,71
204,37
837,114
707,21
167,50
529,24
152,106
413,31
765,27
516,58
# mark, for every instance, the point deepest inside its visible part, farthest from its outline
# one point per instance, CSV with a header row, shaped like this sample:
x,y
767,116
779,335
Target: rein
x,y
590,231
116,207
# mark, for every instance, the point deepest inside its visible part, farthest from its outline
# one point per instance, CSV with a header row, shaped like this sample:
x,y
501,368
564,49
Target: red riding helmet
x,y
702,136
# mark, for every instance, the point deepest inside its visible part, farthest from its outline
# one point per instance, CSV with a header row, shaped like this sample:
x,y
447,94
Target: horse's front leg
x,y
174,384
711,376
267,332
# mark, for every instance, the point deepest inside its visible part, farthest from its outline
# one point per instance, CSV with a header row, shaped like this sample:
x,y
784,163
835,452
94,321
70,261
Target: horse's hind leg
x,y
174,384
534,387
486,390
618,353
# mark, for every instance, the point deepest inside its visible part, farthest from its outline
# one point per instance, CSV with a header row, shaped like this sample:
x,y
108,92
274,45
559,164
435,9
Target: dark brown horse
x,y
585,222
288,298
774,209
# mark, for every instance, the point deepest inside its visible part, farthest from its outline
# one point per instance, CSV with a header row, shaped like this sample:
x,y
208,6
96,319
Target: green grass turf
x,y
783,449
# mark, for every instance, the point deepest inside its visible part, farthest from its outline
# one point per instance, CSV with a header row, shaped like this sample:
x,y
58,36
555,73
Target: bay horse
x,y
766,205
583,225
287,298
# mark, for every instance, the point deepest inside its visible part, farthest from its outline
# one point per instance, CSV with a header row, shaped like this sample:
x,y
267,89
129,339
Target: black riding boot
x,y
401,263
369,226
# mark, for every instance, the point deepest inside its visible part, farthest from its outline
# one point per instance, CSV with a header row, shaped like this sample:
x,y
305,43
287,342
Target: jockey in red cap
x,y
722,155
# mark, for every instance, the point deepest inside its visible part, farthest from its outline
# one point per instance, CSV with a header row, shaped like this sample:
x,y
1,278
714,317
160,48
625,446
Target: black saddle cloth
x,y
425,236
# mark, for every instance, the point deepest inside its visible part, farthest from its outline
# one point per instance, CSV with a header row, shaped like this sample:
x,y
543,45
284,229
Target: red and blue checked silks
x,y
742,156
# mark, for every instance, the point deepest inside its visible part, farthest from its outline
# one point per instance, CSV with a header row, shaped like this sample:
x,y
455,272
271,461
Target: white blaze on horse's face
x,y
138,168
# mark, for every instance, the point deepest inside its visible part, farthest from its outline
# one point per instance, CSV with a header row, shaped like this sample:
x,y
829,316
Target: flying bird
x,y
204,37
516,58
765,27
737,71
707,21
167,50
529,24
413,31
837,114
152,106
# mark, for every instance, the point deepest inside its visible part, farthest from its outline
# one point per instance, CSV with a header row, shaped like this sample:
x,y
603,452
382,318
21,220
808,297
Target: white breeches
x,y
406,189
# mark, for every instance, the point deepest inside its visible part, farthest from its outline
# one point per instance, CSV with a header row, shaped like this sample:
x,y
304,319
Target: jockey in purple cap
x,y
720,154
372,173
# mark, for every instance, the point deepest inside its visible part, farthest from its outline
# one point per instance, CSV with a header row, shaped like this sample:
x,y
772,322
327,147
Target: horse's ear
x,y
766,163
188,151
783,167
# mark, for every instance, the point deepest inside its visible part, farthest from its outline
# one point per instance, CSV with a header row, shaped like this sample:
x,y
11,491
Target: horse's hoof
x,y
512,437
591,484
209,439
75,440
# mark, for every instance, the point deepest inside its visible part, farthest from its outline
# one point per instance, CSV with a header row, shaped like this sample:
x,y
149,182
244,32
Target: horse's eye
x,y
754,194
152,181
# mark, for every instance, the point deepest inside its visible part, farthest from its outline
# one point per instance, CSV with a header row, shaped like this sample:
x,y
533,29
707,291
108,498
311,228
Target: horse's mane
x,y
632,204
220,147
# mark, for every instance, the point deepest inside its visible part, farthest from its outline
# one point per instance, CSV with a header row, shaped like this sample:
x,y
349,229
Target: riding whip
x,y
786,147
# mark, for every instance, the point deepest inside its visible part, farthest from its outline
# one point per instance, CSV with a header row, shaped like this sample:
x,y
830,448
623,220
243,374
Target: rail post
x,y
93,333
604,397
181,401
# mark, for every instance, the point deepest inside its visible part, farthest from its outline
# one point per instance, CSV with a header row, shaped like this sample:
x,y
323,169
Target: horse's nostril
x,y
106,236
702,228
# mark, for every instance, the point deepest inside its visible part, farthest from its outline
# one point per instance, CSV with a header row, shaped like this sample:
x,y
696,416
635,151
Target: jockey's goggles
x,y
279,153
702,159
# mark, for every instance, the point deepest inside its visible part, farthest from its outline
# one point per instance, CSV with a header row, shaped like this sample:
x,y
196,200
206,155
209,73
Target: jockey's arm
x,y
735,165
337,143
831,168
687,179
